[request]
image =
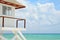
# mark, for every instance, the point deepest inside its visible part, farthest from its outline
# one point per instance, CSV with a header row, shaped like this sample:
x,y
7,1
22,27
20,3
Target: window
x,y
7,10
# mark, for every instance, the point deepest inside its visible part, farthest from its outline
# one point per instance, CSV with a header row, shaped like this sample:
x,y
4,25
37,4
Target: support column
x,y
1,33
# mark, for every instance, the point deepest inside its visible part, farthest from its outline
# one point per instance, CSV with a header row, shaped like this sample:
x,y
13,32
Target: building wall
x,y
0,15
8,22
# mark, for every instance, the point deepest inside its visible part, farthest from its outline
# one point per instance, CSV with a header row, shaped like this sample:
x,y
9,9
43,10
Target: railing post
x,y
24,23
16,23
2,21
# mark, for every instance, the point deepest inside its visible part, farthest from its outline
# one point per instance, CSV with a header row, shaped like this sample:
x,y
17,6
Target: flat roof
x,y
14,3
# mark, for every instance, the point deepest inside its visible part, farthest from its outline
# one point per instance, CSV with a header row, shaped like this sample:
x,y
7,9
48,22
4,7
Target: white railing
x,y
17,20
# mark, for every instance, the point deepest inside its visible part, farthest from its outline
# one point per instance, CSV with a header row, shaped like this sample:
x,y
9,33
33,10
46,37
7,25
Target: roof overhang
x,y
17,6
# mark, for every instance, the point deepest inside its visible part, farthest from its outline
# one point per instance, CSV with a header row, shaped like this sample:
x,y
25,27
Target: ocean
x,y
36,36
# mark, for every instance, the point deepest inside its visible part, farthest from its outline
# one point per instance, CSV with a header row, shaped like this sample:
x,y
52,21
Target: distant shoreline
x,y
39,33
43,33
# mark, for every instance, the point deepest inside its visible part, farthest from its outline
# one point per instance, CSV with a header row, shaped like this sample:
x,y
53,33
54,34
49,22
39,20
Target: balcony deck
x,y
12,28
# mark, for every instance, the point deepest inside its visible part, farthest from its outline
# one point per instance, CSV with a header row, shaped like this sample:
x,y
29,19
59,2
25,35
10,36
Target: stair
x,y
18,36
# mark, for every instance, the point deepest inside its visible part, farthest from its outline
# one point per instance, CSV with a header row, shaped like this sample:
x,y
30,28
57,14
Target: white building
x,y
7,15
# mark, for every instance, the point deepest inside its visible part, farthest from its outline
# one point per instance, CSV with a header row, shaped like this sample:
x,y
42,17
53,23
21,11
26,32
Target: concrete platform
x,y
10,29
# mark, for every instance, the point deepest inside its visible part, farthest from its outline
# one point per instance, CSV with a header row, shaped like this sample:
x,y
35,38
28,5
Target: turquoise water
x,y
42,36
36,36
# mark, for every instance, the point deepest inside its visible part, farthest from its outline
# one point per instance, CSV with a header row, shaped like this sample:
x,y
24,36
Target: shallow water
x,y
43,36
36,36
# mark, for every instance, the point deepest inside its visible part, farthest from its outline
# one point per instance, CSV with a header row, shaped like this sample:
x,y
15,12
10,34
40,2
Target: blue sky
x,y
43,16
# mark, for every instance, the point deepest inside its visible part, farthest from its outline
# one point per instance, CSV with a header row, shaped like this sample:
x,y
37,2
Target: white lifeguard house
x,y
7,18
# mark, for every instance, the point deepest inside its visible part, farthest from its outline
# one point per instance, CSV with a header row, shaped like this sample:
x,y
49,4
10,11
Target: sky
x,y
42,16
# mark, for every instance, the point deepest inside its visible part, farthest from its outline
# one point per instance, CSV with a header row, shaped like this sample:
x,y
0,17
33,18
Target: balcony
x,y
14,28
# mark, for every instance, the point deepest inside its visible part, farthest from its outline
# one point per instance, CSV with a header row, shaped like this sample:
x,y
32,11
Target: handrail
x,y
18,19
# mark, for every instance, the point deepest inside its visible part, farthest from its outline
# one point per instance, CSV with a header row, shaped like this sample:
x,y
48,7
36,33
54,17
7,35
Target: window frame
x,y
7,13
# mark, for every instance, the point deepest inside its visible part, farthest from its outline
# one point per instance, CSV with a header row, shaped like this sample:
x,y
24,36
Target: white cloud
x,y
46,12
49,10
36,16
46,7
